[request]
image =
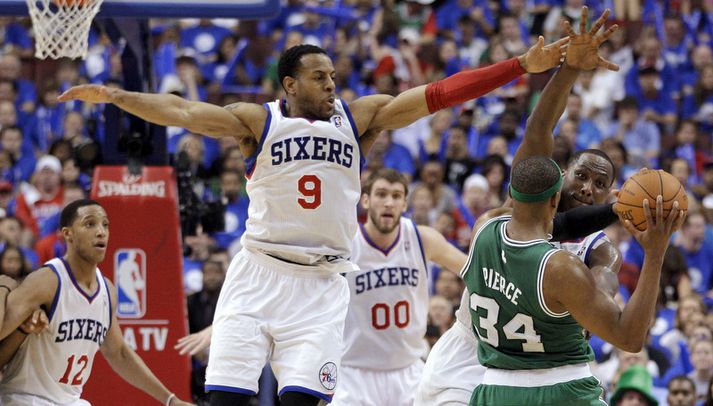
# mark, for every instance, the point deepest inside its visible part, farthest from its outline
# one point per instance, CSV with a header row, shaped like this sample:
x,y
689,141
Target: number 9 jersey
x,y
303,184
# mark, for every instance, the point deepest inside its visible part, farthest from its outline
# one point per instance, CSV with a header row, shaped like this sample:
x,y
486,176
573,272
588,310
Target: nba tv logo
x,y
130,281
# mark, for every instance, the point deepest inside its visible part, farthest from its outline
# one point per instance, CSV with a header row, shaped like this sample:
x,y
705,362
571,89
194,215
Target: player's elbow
x,y
631,344
536,126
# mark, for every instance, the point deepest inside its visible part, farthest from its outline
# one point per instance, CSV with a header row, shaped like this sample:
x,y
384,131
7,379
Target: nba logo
x,y
130,281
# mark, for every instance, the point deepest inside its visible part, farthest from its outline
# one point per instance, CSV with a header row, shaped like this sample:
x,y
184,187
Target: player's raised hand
x,y
36,323
540,58
8,281
86,93
583,50
194,343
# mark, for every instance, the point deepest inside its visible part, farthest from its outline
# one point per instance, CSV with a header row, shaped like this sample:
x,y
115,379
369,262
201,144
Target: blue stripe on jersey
x,y
301,389
420,245
222,388
589,247
368,240
362,161
108,294
89,298
56,293
252,159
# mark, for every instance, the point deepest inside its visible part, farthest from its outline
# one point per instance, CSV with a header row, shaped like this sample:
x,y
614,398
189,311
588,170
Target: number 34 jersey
x,y
303,184
388,305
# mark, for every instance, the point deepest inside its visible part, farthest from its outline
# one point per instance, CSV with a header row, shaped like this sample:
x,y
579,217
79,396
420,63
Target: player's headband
x,y
542,196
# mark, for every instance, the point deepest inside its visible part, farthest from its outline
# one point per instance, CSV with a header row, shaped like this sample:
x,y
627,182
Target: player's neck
x,y
293,110
525,227
382,240
84,272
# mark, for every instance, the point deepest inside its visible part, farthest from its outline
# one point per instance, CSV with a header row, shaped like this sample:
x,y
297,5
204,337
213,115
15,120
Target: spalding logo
x,y
152,189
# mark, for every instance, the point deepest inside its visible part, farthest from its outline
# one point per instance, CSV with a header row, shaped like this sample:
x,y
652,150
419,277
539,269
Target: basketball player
x,y
452,370
388,307
283,299
52,367
529,300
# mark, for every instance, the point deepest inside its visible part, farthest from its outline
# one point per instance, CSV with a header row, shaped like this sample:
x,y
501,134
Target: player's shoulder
x,y
565,265
41,283
489,215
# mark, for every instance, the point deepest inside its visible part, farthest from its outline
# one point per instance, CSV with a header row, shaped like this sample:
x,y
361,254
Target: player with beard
x,y
452,370
388,306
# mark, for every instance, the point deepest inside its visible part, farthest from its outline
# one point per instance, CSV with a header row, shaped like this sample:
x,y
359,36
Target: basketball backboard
x,y
169,8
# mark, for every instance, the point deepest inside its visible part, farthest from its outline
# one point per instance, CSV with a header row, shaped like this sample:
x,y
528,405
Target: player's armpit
x,y
251,120
37,290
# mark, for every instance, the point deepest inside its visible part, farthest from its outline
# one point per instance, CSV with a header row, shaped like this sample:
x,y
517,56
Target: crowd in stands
x,y
655,112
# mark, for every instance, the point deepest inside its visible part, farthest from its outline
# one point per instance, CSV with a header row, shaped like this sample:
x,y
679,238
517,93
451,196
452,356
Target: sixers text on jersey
x,y
312,148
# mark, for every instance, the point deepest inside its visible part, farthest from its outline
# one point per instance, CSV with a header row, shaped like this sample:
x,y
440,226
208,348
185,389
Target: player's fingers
x,y
659,211
606,64
630,228
560,43
672,216
680,219
568,28
647,214
605,36
583,20
600,21
540,42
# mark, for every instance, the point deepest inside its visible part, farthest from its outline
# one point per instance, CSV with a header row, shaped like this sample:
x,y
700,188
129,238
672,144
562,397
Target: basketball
x,y
648,184
71,3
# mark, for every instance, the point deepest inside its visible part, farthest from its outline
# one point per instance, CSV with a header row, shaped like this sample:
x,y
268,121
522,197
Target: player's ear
x,y
67,234
365,201
555,200
289,83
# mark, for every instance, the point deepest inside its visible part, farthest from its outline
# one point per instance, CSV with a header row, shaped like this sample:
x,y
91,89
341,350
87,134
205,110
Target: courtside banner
x,y
144,263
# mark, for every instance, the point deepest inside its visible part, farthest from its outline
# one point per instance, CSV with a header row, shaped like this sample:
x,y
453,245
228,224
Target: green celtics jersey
x,y
515,328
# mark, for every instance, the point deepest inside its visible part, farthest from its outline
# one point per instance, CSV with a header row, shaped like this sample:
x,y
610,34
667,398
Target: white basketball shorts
x,y
291,315
370,387
452,370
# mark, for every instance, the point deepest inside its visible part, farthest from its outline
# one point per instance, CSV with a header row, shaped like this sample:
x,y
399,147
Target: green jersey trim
x,y
475,238
518,244
540,290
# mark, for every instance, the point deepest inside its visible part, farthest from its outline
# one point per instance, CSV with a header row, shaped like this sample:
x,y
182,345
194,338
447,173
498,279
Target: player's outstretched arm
x,y
169,110
582,54
379,113
35,292
125,362
440,251
595,309
194,343
35,324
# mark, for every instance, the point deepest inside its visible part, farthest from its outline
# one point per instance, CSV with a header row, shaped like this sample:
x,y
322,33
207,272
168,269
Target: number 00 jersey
x,y
303,184
56,363
515,328
388,305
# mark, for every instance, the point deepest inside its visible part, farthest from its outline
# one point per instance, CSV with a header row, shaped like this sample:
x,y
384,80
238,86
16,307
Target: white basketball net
x,y
62,26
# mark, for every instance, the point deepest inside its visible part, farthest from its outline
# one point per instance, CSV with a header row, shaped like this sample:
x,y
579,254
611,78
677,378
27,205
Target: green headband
x,y
538,197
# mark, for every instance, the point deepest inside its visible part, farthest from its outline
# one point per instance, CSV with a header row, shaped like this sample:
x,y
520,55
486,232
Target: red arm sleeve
x,y
470,84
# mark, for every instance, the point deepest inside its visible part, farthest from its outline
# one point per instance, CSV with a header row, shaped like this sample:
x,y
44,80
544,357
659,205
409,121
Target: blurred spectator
x,y
13,263
450,286
698,251
611,371
688,306
441,313
205,39
681,391
634,388
495,170
44,199
655,103
236,210
23,163
600,90
14,38
197,249
459,164
52,244
587,133
71,175
49,117
201,308
431,176
475,199
698,105
702,360
433,145
10,68
421,205
12,233
392,155
640,138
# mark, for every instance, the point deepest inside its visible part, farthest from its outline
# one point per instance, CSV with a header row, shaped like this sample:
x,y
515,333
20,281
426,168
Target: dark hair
x,y
682,378
597,152
11,128
390,175
534,175
24,269
628,102
290,60
69,213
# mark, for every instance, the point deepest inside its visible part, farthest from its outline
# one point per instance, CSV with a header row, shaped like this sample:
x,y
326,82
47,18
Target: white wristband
x,y
170,398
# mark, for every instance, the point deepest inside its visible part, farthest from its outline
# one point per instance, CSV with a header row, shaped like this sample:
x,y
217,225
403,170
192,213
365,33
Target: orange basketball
x,y
648,184
72,3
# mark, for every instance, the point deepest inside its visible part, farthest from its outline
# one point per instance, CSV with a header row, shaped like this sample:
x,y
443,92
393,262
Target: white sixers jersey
x,y
581,248
303,184
388,305
57,363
